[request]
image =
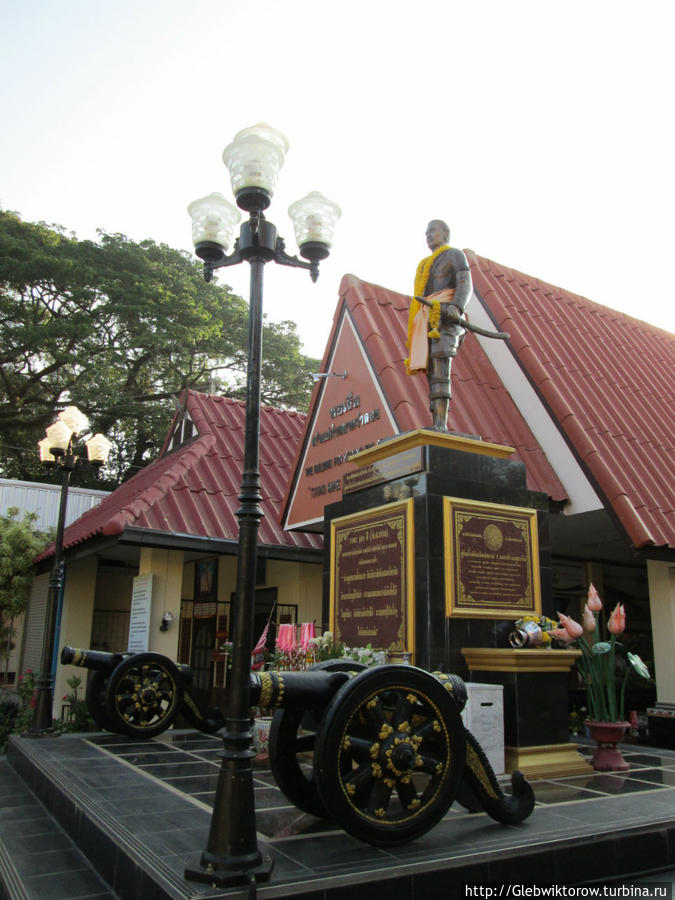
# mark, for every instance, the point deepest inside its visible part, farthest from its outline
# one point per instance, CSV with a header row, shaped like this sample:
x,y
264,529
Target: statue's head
x,y
437,234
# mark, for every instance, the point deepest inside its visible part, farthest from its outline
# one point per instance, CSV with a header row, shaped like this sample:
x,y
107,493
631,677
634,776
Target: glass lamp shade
x,y
255,157
46,456
314,219
98,448
59,436
75,419
213,220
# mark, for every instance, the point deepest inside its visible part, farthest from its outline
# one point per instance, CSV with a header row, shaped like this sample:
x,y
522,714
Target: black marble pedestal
x,y
429,466
536,730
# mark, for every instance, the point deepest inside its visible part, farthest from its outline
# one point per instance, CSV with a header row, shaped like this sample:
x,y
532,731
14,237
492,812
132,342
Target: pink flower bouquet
x,y
598,660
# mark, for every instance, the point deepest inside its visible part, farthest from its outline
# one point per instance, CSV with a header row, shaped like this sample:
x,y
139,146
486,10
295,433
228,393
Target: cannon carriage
x,y
382,751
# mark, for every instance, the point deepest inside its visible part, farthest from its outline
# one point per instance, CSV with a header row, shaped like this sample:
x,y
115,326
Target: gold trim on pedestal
x,y
488,659
546,761
423,437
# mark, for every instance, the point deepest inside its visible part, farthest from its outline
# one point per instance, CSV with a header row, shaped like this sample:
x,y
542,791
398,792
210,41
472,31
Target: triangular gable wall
x,y
350,413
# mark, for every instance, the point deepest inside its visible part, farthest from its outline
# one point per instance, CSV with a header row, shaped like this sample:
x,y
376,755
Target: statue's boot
x,y
439,391
439,409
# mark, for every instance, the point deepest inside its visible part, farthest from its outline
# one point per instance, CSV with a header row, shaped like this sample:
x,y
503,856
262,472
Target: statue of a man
x,y
434,335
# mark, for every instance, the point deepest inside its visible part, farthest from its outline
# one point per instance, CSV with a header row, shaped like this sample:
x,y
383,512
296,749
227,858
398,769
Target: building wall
x,y
76,620
166,567
299,584
662,604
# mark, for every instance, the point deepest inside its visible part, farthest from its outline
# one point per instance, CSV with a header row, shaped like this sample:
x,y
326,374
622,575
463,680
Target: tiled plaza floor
x,y
159,794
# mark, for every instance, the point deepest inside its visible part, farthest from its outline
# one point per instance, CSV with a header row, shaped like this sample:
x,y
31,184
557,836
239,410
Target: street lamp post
x,y
56,450
254,158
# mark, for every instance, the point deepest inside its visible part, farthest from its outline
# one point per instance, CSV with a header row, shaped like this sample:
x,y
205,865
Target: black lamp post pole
x,y
42,717
232,854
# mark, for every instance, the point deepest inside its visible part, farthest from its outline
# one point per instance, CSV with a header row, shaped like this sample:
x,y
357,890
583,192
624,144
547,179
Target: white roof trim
x,y
582,495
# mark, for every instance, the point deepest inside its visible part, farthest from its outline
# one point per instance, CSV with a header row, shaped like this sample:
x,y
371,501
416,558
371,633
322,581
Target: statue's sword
x,y
464,323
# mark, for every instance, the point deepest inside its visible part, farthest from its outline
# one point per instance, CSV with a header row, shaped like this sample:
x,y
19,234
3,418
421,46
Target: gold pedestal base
x,y
546,761
424,437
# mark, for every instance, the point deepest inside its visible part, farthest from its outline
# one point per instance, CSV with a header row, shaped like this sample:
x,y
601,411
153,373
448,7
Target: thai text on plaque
x,y
371,583
492,560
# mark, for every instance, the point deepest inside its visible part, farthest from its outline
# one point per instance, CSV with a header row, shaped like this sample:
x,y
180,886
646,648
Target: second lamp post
x,y
56,450
254,159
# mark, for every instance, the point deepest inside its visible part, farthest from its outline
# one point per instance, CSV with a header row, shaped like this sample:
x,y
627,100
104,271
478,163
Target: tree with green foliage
x,y
119,329
20,543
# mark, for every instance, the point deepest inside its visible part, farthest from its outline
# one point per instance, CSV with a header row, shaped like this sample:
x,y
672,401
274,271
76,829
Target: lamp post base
x,y
233,871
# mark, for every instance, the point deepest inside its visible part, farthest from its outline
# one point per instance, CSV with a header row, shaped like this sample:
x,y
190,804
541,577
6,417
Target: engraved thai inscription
x,y
492,564
370,578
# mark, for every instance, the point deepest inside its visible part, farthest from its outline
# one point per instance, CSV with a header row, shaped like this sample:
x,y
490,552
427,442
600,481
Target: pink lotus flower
x,y
594,602
560,635
617,620
588,619
573,628
306,634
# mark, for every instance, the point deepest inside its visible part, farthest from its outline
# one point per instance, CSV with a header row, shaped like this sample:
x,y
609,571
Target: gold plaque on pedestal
x,y
491,560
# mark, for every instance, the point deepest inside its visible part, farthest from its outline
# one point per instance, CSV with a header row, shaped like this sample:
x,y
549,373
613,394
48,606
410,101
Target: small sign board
x,y
372,578
491,560
139,621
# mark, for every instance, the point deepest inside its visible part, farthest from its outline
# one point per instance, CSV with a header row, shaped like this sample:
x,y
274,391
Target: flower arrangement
x,y
365,655
324,646
291,654
533,631
297,654
598,661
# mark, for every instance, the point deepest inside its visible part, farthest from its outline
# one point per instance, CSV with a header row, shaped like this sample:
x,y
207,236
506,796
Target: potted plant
x,y
606,720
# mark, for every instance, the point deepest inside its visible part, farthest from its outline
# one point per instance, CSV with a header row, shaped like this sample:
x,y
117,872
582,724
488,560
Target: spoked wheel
x,y
97,688
292,736
144,694
388,754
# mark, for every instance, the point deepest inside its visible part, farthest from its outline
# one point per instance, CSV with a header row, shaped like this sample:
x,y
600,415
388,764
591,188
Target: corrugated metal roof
x,y
43,499
194,489
608,380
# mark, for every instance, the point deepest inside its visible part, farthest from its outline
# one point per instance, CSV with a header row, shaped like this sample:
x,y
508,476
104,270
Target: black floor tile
x,y
83,883
22,844
331,854
49,862
560,792
603,783
182,768
665,777
39,824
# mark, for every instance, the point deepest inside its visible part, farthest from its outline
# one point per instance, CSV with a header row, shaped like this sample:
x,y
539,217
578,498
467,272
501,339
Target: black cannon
x,y
140,694
383,751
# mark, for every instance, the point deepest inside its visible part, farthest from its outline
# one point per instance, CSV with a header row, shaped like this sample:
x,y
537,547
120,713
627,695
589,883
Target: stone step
x,y
38,860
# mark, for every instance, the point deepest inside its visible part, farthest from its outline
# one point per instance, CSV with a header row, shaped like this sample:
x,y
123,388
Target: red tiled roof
x,y
480,404
608,380
194,489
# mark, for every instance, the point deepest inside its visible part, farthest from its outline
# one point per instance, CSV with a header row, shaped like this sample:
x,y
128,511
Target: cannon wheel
x,y
389,754
144,694
97,688
287,743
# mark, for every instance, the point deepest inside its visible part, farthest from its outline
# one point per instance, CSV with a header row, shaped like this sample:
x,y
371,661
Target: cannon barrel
x,y
106,662
296,690
91,659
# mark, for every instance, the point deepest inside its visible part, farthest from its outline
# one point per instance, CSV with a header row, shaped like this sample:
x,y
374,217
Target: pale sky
x,y
540,132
